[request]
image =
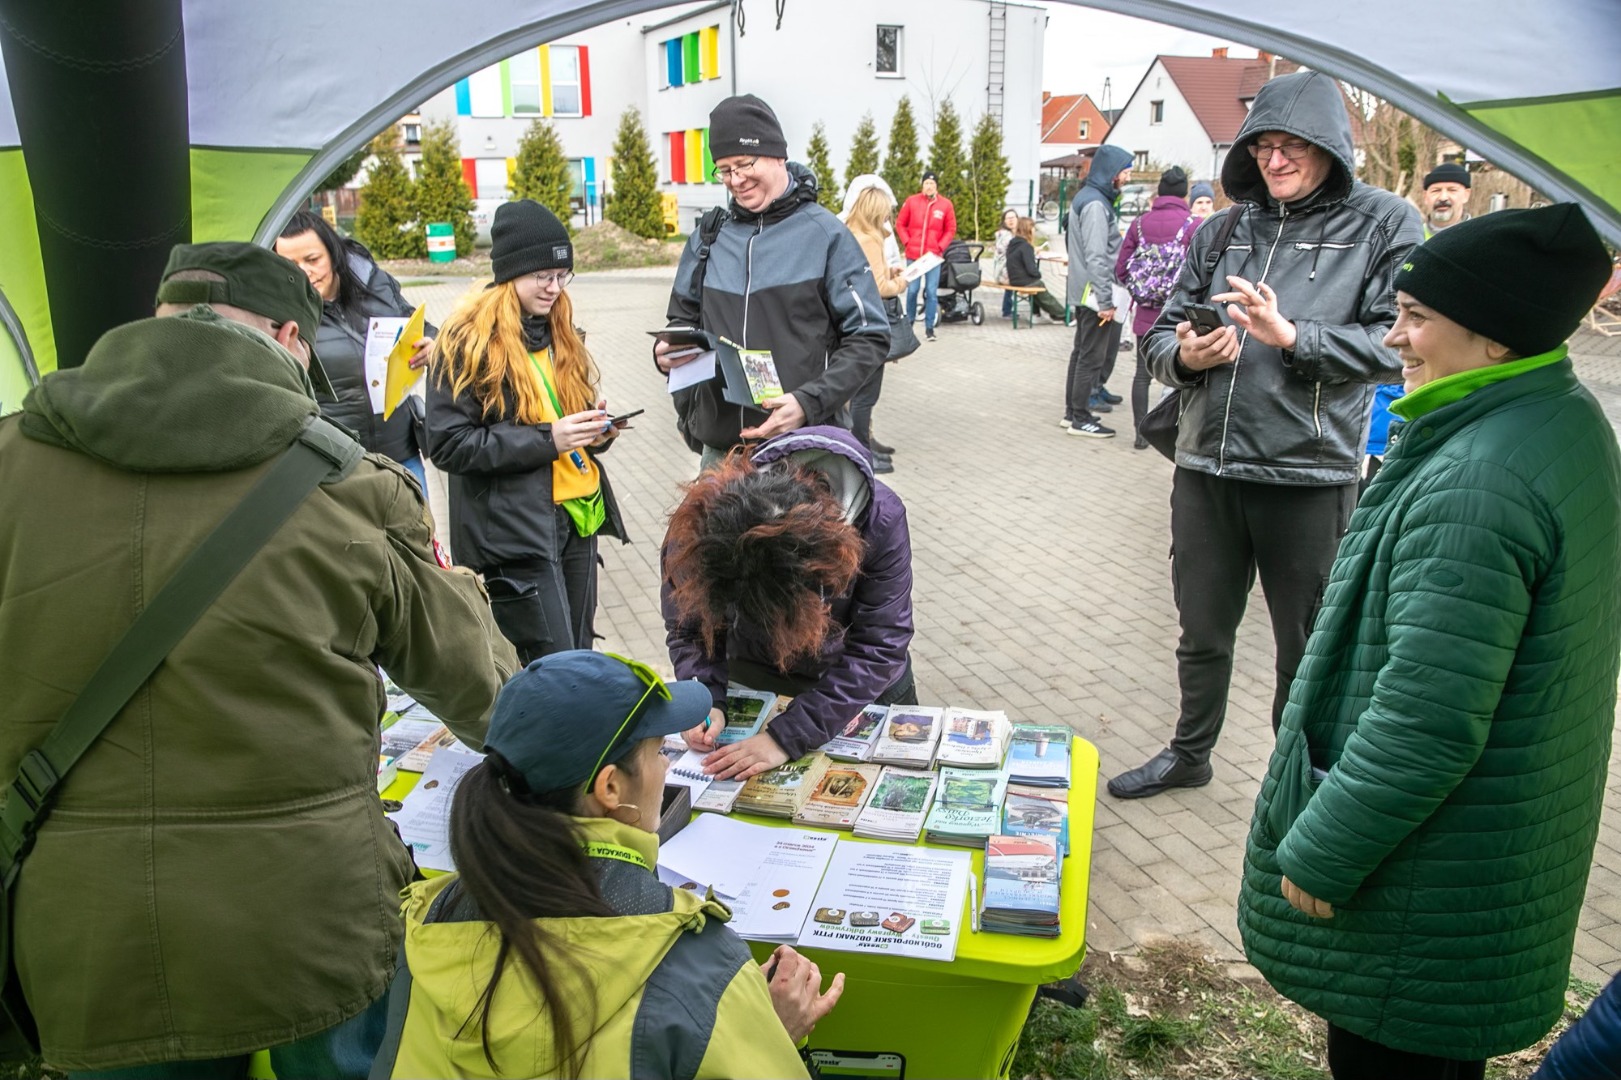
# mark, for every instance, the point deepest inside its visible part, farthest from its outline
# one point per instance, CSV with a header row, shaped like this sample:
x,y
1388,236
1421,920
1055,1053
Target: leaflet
x,y
921,265
424,817
382,334
766,876
901,901
403,736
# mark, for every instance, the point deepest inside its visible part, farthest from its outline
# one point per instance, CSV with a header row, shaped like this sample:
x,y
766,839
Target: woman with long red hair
x,y
790,570
515,420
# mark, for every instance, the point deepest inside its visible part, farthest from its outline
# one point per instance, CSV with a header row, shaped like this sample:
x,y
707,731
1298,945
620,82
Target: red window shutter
x,y
585,81
470,174
678,157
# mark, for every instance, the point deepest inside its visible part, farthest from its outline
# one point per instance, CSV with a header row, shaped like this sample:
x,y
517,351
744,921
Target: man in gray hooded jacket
x,y
1274,405
1092,243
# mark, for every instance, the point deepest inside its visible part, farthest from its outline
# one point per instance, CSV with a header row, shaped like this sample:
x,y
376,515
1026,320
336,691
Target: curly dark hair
x,y
768,545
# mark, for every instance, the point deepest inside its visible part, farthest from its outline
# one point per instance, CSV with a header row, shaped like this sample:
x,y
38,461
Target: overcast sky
x,y
1084,46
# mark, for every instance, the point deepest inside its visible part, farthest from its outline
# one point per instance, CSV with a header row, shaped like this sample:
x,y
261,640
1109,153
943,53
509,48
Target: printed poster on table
x,y
900,901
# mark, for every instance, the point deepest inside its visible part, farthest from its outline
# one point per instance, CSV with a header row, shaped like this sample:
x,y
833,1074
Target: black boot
x,y
879,448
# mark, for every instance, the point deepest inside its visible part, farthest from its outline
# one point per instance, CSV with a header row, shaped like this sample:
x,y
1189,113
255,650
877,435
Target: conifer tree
x,y
542,172
988,180
827,181
863,151
634,205
442,193
386,220
902,171
946,156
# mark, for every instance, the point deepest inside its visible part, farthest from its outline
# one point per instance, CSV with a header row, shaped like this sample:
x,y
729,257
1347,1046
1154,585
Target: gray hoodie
x,y
1297,418
1093,238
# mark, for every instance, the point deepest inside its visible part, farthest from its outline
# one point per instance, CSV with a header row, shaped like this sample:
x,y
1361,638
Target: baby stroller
x,y
959,277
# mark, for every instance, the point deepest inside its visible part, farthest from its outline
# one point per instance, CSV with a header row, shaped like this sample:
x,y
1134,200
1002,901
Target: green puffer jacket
x,y
1460,689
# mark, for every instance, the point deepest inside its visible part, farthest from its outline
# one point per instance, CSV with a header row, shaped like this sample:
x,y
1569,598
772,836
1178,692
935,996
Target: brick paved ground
x,y
1042,587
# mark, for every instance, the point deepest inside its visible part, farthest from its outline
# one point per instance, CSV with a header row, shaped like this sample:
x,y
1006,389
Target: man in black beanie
x,y
1428,817
772,271
1446,194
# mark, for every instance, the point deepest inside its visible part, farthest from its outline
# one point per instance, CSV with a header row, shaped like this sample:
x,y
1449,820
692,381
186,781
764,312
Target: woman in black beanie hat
x,y
515,420
1429,813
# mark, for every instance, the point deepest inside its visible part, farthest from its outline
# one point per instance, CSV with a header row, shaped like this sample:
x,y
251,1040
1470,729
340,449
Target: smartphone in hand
x,y
1206,318
622,419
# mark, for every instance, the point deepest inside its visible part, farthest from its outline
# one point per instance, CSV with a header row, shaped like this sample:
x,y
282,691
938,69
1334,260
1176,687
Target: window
x,y
1086,128
492,178
1139,160
412,133
524,71
565,64
1156,112
888,60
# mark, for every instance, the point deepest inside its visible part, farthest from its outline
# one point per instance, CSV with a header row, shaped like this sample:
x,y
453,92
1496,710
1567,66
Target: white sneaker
x,y
1066,424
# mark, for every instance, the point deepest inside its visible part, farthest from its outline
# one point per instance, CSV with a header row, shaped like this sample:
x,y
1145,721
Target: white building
x,y
830,61
1187,110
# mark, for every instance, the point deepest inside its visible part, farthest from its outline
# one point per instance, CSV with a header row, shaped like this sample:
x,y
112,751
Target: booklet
x,y
1037,811
856,741
967,807
746,713
839,796
388,770
780,792
719,797
687,770
898,805
903,901
1022,886
921,265
910,735
974,740
424,817
748,376
417,759
759,371
767,876
403,736
1039,755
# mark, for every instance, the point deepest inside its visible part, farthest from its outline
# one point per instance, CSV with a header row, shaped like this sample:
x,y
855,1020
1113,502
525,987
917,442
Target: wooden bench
x,y
1024,292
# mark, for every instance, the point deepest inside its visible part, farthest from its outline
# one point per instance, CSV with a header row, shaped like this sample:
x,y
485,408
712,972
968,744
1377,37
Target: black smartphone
x,y
619,421
1206,318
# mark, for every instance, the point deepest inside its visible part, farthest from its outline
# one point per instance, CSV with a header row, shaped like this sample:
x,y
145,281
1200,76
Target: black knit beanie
x,y
525,237
1448,172
1476,272
745,125
1174,182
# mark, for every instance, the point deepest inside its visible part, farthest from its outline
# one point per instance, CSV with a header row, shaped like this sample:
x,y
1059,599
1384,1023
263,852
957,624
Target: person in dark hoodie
x,y
790,571
1092,243
354,290
783,274
1149,263
1274,405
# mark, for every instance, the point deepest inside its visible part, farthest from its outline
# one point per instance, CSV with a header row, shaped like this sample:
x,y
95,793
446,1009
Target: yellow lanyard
x,y
599,849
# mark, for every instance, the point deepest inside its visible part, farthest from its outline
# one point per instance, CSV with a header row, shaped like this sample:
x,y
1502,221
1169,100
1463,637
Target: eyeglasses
x,y
654,684
724,173
561,279
1294,151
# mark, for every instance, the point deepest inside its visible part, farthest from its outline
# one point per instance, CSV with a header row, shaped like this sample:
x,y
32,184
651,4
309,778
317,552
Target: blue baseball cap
x,y
563,717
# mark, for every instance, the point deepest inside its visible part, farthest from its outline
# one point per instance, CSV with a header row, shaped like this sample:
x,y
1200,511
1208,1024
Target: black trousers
x,y
1224,532
1351,1057
1139,389
861,405
1091,357
548,605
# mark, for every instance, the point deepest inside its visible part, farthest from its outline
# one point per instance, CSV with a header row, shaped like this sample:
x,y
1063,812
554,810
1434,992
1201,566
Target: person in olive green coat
x,y
217,876
1422,839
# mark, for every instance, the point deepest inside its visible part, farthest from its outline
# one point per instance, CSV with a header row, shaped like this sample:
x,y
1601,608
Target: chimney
x,y
1263,56
1219,54
1045,94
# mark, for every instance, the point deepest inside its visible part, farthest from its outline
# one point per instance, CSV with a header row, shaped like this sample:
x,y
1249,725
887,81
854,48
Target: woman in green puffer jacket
x,y
1421,841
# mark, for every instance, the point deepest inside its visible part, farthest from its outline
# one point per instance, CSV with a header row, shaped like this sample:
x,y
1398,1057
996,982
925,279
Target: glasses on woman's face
x,y
724,173
1294,151
560,279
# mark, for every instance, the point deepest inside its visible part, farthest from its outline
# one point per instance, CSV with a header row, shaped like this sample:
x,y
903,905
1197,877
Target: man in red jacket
x,y
927,223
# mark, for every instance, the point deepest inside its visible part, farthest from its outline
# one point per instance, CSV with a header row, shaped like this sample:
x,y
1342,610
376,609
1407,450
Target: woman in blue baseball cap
x,y
555,950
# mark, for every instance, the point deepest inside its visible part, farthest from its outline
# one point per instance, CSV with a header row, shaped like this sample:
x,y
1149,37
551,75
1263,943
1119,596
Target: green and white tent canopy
x,y
129,125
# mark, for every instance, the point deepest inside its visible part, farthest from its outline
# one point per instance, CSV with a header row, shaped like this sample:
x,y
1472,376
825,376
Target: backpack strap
x,y
323,452
708,229
1224,239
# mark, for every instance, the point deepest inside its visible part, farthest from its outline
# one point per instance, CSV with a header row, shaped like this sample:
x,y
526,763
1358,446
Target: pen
x,y
973,901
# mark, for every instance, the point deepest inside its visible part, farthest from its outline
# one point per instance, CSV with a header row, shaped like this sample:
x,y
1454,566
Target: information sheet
x,y
382,334
768,877
901,901
424,817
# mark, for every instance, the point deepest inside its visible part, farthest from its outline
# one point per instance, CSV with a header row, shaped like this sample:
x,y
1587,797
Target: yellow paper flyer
x,y
401,376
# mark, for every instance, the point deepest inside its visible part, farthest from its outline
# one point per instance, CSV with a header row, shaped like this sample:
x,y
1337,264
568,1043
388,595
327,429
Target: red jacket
x,y
926,226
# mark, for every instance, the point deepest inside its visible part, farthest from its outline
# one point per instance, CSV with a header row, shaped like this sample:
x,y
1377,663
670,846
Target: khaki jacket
x,y
217,875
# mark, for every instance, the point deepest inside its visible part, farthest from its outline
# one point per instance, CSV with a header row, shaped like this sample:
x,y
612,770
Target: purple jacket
x,y
1168,214
867,654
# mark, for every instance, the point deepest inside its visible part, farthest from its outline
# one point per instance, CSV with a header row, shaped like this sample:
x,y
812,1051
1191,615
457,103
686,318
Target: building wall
x,y
820,66
1178,140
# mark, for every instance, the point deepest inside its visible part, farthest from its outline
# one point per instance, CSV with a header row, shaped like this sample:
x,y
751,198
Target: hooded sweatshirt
x,y
1093,238
230,808
1296,417
867,652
